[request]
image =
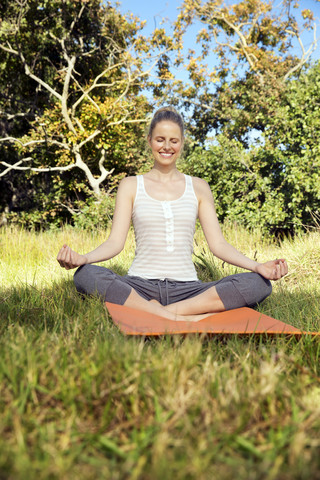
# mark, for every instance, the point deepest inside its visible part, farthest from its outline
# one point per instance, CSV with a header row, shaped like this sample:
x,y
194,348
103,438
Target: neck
x,y
161,172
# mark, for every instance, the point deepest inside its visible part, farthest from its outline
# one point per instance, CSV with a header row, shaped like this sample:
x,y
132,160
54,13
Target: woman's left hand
x,y
273,270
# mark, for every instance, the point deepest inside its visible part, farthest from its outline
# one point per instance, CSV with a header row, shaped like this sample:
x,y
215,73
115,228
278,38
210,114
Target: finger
x,y
73,263
60,259
68,260
278,271
284,269
73,259
65,257
61,254
281,268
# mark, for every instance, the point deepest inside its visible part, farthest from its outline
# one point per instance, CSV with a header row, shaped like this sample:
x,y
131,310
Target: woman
x,y
164,205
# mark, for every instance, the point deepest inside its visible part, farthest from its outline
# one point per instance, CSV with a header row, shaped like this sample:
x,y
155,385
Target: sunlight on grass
x,y
80,400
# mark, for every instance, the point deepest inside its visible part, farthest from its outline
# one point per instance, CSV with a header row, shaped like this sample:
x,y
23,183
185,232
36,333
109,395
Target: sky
x,y
153,11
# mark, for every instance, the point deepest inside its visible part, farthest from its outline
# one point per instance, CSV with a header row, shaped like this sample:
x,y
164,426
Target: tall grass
x,y
80,400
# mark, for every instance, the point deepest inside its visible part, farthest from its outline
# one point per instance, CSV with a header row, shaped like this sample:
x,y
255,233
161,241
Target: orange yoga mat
x,y
239,321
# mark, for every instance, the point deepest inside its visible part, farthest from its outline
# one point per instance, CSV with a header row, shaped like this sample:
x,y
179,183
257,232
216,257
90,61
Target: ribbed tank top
x,y
164,232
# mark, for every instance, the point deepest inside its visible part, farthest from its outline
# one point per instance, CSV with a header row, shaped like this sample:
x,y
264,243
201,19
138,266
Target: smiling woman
x,y
166,142
164,205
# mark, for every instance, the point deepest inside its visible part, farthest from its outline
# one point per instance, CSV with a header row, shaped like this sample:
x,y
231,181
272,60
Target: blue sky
x,y
153,11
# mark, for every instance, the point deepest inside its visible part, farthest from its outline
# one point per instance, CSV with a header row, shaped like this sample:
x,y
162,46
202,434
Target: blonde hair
x,y
168,113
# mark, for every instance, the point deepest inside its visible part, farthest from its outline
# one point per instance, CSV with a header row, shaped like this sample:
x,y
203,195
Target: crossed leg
x,y
206,302
243,289
134,300
96,280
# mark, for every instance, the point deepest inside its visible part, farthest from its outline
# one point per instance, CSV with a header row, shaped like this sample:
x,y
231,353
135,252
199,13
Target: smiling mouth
x,y
166,155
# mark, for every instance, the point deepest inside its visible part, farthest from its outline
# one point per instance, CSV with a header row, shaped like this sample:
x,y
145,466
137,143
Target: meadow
x,y
80,400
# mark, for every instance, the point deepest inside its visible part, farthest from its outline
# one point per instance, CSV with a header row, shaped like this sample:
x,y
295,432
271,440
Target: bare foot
x,y
156,303
193,318
180,318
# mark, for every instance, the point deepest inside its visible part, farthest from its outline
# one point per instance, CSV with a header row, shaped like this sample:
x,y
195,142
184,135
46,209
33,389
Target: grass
x,y
80,400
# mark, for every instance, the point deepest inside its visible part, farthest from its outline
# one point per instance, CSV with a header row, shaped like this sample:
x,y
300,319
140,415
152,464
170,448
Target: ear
x,y
149,140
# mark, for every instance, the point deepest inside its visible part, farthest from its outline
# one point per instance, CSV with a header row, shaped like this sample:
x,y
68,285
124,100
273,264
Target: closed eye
x,y
172,140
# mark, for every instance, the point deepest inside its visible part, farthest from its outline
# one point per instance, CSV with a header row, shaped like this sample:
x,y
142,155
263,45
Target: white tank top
x,y
164,232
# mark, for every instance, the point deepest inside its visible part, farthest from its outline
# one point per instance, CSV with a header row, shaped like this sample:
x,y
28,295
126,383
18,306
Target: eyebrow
x,y
172,138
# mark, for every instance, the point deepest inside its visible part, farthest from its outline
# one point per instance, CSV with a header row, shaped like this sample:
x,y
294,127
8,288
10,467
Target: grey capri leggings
x,y
239,290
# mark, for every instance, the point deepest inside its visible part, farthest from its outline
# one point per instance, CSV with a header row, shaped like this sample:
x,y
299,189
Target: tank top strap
x,y
139,187
188,182
189,186
139,183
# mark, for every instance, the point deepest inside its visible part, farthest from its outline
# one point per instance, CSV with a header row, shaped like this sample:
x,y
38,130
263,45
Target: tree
x,y
292,147
252,42
274,186
81,67
243,192
251,88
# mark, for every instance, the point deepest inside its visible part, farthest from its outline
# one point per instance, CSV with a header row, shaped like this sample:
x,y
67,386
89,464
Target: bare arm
x,y
272,270
68,258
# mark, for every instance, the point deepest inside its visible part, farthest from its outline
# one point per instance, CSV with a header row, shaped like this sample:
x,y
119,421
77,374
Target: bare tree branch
x,y
38,79
88,139
9,49
32,142
242,38
12,116
305,54
14,166
64,98
17,140
17,166
104,173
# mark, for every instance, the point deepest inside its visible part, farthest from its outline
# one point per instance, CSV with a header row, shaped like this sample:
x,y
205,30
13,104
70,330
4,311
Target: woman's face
x,y
166,143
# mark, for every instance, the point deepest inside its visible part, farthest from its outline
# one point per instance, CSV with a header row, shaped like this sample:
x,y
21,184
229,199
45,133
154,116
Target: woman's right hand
x,y
69,259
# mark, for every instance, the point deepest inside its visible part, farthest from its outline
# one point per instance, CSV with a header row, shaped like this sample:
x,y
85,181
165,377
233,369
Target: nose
x,y
167,145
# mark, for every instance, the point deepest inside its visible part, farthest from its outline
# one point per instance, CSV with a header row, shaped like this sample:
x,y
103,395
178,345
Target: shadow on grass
x,y
58,308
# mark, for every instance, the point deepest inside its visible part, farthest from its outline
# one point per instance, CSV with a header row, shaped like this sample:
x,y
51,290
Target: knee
x,y
243,290
102,282
263,288
81,278
253,288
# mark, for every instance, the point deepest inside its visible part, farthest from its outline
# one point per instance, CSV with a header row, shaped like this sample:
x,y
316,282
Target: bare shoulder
x,y
128,186
128,182
126,193
201,188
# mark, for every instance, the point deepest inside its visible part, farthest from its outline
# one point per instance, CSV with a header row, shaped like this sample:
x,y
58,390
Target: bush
x,y
276,185
95,214
241,190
